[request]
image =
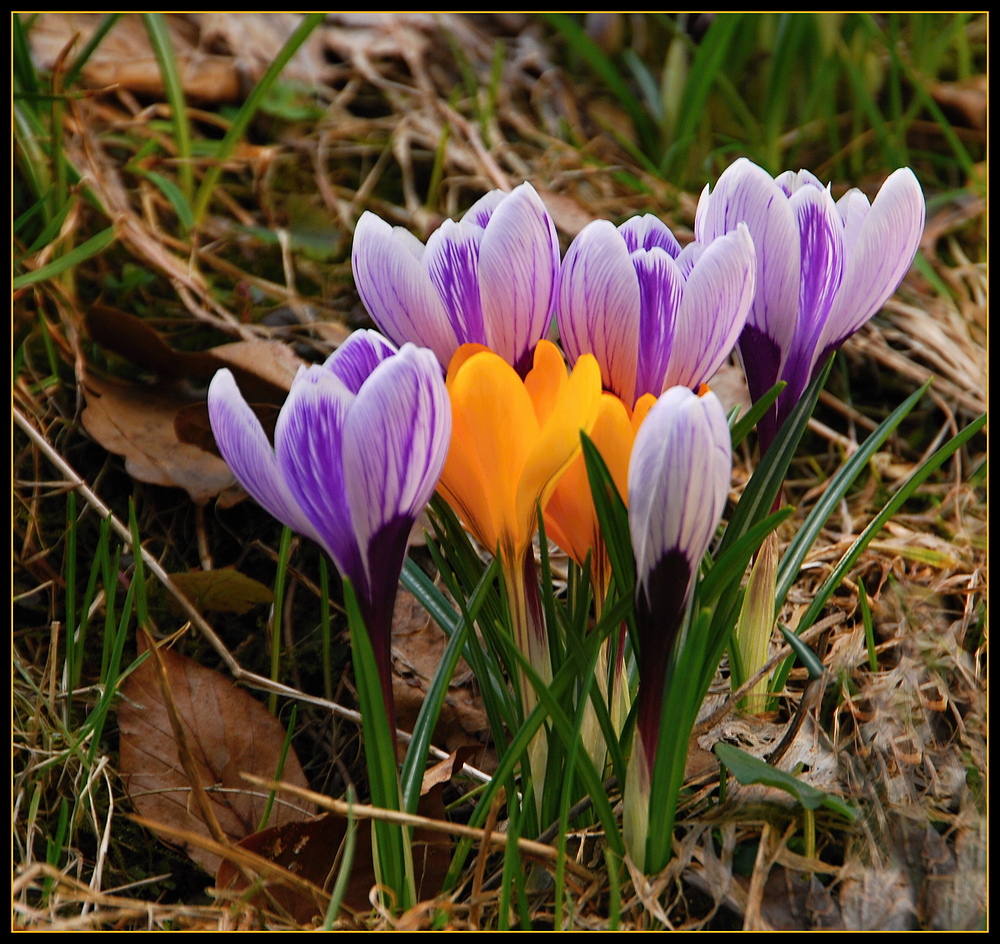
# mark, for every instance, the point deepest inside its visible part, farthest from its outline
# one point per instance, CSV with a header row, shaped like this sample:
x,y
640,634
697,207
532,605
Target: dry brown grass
x,y
907,742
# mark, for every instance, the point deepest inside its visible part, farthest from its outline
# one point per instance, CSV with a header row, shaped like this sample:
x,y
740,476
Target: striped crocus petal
x,y
649,232
821,248
395,441
661,289
599,306
248,453
518,276
880,244
355,360
309,445
395,287
718,293
678,482
747,193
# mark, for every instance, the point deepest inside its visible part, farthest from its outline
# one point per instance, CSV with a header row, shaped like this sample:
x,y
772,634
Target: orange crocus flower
x,y
511,441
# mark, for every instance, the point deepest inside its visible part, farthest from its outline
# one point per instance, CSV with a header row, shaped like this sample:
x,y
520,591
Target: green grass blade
x,y
249,108
159,38
795,553
84,251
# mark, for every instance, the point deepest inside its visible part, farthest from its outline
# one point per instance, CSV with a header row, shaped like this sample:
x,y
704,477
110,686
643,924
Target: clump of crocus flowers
x,y
468,398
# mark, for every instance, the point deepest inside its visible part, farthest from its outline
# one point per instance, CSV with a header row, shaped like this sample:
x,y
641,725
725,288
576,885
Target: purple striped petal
x,y
396,289
518,271
822,267
747,193
661,288
678,479
717,299
393,474
452,262
880,251
678,483
481,211
355,359
248,453
649,232
599,305
308,442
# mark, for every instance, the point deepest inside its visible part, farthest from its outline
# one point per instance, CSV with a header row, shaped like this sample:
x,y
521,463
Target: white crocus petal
x,y
308,443
883,250
355,359
661,290
390,477
599,306
481,211
248,453
518,272
396,289
747,193
717,299
451,261
678,479
649,232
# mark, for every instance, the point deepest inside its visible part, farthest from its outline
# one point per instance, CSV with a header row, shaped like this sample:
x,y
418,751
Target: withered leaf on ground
x,y
224,590
417,647
313,850
137,422
228,733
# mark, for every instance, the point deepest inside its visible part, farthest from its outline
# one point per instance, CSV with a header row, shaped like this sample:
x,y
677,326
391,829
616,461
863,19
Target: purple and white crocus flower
x,y
678,483
488,279
655,316
359,446
824,267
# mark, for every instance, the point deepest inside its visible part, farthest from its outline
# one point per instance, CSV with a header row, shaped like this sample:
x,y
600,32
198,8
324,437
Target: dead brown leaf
x,y
417,648
228,733
137,422
313,850
224,590
220,56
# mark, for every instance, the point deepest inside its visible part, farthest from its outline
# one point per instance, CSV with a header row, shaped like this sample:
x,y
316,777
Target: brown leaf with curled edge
x,y
313,850
166,437
137,422
228,733
264,370
224,590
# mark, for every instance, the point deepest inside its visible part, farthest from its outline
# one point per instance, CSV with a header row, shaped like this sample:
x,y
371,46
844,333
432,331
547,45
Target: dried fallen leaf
x,y
417,648
228,733
313,850
137,422
224,590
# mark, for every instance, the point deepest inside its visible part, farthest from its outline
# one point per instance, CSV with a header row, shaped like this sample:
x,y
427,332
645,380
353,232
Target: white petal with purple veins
x,y
452,263
649,232
599,306
747,193
390,477
661,289
883,250
308,442
678,478
717,299
518,271
396,289
355,359
248,453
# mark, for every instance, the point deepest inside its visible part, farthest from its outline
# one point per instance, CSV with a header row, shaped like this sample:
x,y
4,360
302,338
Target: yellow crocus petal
x,y
573,408
642,406
493,429
570,518
546,379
